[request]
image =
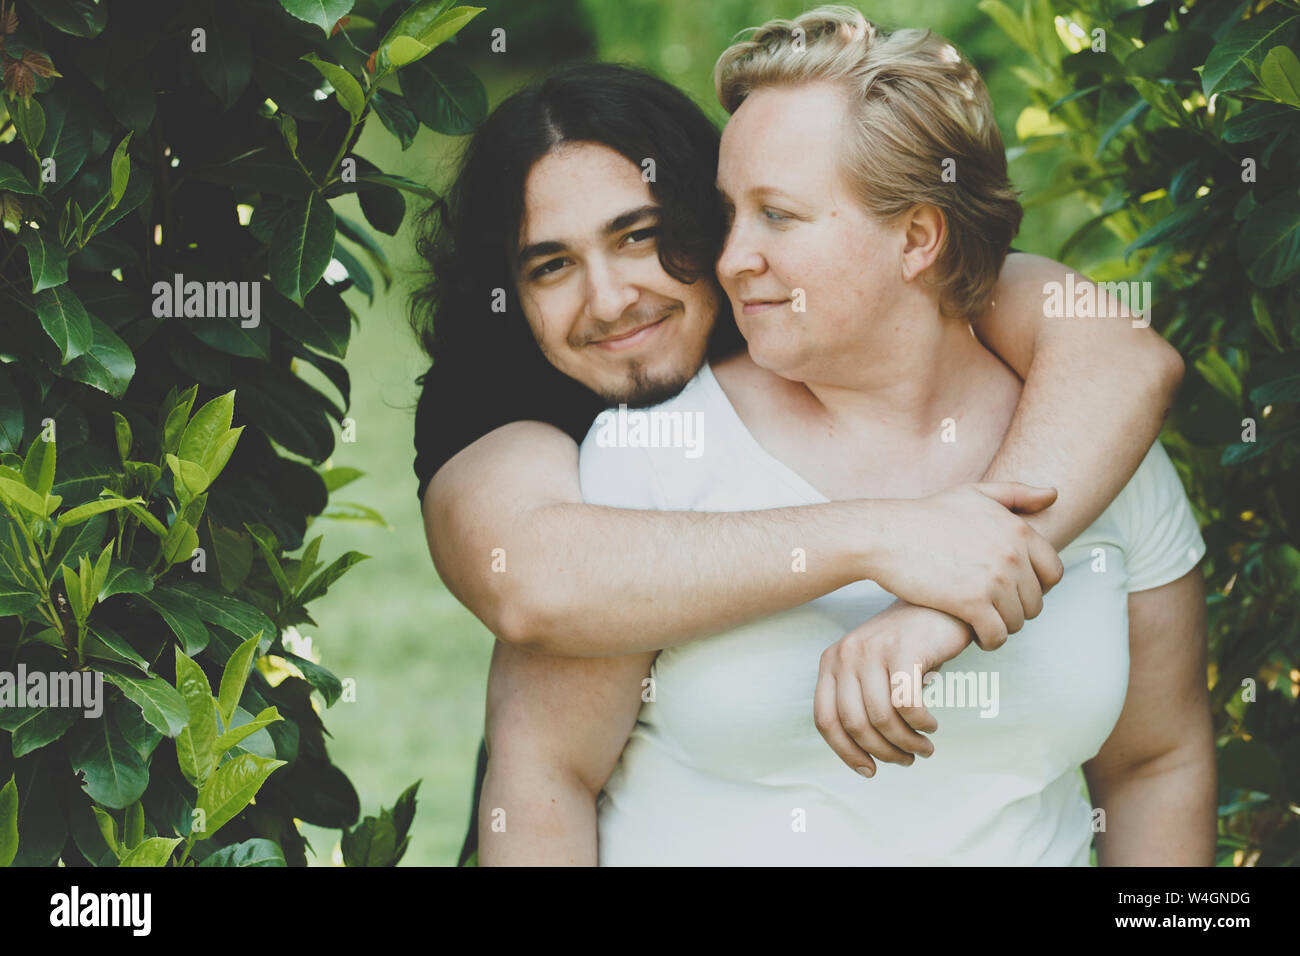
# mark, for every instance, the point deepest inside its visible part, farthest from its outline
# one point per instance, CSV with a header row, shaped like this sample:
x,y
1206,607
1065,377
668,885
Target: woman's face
x,y
810,274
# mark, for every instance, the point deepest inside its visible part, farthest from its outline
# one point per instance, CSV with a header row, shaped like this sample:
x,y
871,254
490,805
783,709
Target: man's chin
x,y
643,392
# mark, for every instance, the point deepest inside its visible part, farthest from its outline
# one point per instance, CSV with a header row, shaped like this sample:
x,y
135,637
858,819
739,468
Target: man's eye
x,y
641,235
546,268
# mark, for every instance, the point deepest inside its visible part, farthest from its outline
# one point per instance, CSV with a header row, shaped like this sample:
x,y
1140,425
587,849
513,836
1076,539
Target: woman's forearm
x,y
1161,813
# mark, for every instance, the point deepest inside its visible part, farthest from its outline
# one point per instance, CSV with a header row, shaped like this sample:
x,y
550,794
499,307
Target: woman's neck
x,y
917,372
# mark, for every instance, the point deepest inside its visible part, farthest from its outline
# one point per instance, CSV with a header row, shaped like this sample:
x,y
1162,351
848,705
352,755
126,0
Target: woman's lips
x,y
630,339
762,305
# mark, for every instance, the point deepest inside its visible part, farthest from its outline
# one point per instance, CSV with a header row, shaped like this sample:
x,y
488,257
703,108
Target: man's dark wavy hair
x,y
467,238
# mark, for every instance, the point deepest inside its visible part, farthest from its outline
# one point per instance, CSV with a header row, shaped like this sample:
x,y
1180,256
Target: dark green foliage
x,y
157,466
1204,202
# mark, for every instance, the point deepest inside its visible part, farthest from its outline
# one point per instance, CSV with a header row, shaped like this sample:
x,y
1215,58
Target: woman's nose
x,y
739,254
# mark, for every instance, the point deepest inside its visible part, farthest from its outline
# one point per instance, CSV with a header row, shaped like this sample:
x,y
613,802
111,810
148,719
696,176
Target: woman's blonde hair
x,y
922,131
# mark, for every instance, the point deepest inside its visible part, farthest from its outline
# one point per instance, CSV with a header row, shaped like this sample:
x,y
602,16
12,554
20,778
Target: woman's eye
x,y
774,216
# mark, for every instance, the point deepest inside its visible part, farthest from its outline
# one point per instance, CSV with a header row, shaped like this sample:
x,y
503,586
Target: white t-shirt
x,y
725,766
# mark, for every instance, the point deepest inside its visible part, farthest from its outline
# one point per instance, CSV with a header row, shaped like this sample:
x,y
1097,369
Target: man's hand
x,y
854,705
964,552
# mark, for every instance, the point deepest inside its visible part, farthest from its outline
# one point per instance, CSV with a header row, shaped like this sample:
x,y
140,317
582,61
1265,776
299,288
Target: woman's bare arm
x,y
1155,775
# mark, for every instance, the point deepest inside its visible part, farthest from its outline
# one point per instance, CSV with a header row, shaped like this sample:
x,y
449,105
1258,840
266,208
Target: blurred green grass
x,y
418,657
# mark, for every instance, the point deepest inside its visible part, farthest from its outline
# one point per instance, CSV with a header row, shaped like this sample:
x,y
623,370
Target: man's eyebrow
x,y
620,222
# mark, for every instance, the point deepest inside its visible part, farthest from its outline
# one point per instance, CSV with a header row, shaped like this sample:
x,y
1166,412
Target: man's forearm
x,y
1095,396
669,577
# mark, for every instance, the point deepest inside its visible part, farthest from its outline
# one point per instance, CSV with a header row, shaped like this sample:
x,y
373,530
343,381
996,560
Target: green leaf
x,y
1170,55
194,743
321,583
1011,25
1283,390
80,513
122,435
80,18
65,321
114,774
267,546
1184,219
350,230
1227,67
1280,74
322,323
323,13
107,828
72,584
236,734
105,644
445,94
227,66
15,598
1220,375
1269,242
46,260
234,555
209,424
180,617
23,496
133,831
120,171
107,364
396,116
162,706
346,88
191,479
177,417
34,727
255,852
11,414
398,182
232,788
235,676
337,477
8,822
1257,120
419,31
155,851
301,247
12,181
29,119
240,618
356,271
38,467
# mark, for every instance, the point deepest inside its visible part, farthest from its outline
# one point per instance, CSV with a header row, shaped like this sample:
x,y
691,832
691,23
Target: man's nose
x,y
610,293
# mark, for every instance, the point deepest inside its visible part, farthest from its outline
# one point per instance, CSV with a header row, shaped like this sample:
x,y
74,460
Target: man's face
x,y
598,302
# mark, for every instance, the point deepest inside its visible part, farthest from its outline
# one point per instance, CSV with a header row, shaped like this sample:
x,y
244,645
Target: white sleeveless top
x,y
725,766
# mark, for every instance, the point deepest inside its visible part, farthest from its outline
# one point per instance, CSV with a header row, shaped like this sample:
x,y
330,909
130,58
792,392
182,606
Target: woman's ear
x,y
924,231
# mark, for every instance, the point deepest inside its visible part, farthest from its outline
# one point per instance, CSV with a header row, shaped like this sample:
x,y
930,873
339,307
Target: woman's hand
x,y
854,706
964,552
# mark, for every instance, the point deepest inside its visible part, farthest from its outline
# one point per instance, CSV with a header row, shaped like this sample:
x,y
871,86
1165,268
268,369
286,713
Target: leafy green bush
x,y
1179,123
166,168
